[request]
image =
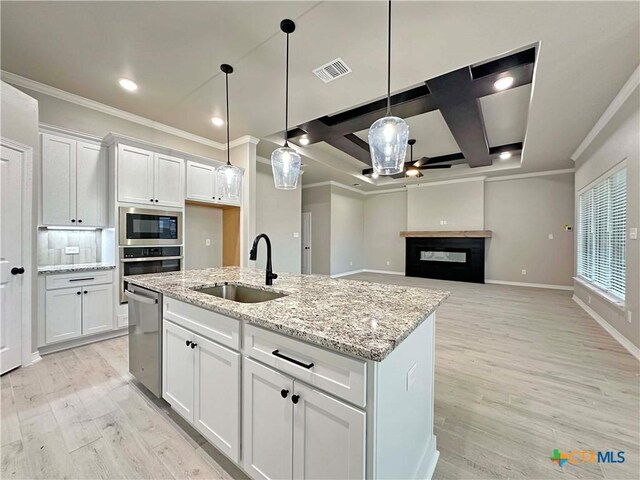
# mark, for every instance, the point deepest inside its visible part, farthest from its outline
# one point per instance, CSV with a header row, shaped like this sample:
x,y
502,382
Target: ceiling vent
x,y
332,70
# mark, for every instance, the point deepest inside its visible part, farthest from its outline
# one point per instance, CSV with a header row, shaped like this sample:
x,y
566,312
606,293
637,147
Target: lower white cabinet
x,y
292,430
201,381
97,309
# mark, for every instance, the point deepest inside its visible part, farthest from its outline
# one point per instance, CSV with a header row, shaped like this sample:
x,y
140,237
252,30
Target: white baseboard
x,y
621,339
35,357
78,342
386,272
344,274
533,285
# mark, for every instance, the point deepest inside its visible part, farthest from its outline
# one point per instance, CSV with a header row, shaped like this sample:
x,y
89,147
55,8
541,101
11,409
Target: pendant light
x,y
228,177
285,161
388,135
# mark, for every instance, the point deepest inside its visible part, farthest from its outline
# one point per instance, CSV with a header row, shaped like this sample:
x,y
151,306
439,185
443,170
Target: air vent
x,y
332,70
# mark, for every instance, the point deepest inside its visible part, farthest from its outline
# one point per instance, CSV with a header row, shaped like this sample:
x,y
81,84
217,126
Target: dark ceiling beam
x,y
440,159
349,144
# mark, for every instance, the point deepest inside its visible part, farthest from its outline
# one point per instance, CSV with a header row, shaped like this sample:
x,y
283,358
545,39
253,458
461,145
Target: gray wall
x,y
19,122
522,213
279,215
347,231
619,140
317,201
461,205
202,223
385,216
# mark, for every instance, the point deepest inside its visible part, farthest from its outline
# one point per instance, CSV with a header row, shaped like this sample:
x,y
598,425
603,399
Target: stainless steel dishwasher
x,y
145,336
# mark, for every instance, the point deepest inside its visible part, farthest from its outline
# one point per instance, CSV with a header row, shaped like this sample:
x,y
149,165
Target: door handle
x,y
17,270
140,298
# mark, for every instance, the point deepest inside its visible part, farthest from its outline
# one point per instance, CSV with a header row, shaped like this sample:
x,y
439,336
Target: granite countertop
x,y
79,267
362,319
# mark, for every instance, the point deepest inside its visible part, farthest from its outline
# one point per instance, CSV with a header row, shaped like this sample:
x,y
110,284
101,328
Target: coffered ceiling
x,y
173,50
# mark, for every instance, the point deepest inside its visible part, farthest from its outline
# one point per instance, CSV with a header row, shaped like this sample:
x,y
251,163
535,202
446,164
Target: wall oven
x,y
142,226
143,260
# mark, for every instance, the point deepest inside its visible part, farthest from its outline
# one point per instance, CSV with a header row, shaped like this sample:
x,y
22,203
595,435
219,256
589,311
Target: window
x,y
602,222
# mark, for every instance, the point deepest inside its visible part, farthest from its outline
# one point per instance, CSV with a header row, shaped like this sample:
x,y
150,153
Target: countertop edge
x,y
55,269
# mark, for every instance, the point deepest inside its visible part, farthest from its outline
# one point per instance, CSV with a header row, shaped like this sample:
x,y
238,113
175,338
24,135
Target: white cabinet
x,y
63,314
295,431
74,182
149,178
97,308
201,182
267,414
201,381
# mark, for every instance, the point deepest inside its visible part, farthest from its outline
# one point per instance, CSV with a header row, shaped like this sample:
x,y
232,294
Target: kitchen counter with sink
x,y
367,320
310,377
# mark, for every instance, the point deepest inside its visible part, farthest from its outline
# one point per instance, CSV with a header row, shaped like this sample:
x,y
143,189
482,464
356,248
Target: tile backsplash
x,y
52,244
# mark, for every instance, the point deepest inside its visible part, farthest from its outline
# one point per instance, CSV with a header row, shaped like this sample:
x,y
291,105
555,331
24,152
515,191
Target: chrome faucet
x,y
253,254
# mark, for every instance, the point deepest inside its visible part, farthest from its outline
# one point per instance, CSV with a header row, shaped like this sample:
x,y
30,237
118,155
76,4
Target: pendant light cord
x,y
286,98
389,64
226,81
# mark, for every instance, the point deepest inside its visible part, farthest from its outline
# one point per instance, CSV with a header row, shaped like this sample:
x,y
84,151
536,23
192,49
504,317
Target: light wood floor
x,y
519,372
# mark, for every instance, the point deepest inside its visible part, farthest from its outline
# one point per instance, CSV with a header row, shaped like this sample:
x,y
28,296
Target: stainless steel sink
x,y
240,293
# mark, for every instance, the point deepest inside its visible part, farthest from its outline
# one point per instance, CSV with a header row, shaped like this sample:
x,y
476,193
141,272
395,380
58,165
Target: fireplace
x,y
458,258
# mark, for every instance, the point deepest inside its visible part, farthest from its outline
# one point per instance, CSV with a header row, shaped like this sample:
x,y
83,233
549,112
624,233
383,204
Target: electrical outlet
x,y
445,222
524,272
388,262
207,242
351,264
629,316
633,233
551,236
71,250
296,234
411,376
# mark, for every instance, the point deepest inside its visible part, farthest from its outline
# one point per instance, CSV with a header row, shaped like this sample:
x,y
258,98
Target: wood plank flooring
x,y
519,372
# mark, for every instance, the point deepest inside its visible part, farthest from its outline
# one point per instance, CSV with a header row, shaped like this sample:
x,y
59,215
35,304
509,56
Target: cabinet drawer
x,y
211,325
332,372
66,280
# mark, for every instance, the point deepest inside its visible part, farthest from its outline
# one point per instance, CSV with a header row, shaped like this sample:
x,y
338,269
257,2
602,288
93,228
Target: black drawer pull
x,y
81,279
292,360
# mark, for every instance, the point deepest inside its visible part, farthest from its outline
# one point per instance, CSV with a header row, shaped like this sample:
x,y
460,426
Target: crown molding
x,y
241,141
352,189
67,132
447,182
545,173
19,81
625,92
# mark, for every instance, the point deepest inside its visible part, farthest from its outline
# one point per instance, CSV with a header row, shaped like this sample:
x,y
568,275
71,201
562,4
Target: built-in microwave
x,y
143,226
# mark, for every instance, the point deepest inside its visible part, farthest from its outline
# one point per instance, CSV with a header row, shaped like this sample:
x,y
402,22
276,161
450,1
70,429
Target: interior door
x,y
169,181
267,422
11,281
306,243
91,185
58,180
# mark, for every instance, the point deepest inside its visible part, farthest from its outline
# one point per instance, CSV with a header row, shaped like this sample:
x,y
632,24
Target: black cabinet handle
x,y
284,392
85,292
17,270
277,353
188,342
295,398
156,200
73,220
79,221
78,293
81,279
151,199
193,345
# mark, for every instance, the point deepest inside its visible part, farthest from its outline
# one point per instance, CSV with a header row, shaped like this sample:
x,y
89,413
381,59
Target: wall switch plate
x,y
207,242
633,233
388,262
351,264
551,236
411,376
524,272
629,316
296,234
71,250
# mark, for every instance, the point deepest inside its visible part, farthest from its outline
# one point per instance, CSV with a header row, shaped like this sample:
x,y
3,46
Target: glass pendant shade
x,y
228,183
388,138
285,163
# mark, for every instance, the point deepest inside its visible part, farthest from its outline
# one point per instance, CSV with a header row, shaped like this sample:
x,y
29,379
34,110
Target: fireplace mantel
x,y
448,234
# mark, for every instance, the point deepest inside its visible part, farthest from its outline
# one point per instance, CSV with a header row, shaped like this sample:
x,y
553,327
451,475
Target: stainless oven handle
x,y
140,298
148,259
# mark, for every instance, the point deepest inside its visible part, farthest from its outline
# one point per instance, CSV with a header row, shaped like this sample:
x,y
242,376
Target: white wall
x,y
202,223
347,231
460,204
317,201
385,216
618,141
279,215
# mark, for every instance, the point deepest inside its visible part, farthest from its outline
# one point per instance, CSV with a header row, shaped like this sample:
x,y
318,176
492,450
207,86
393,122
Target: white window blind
x,y
602,223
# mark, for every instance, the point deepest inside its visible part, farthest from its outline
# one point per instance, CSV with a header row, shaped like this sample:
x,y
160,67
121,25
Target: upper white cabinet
x,y
149,178
201,184
74,182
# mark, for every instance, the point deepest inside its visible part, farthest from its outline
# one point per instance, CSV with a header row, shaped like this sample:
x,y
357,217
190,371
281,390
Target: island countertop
x,y
361,319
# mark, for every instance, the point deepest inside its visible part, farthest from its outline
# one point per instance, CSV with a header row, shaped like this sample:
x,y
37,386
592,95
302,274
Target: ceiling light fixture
x,y
228,177
505,155
413,171
374,175
285,161
388,135
128,85
217,121
503,83
304,140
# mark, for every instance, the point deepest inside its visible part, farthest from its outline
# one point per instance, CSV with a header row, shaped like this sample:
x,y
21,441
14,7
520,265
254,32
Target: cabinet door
x,y
169,181
200,182
267,420
91,185
217,396
97,309
58,180
328,437
178,369
135,175
63,314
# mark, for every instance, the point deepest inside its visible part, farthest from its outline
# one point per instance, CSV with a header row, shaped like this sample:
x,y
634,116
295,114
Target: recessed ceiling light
x,y
304,140
505,155
217,121
128,85
412,172
374,175
503,83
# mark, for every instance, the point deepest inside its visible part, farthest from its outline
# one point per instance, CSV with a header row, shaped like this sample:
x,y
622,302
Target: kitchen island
x,y
321,378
